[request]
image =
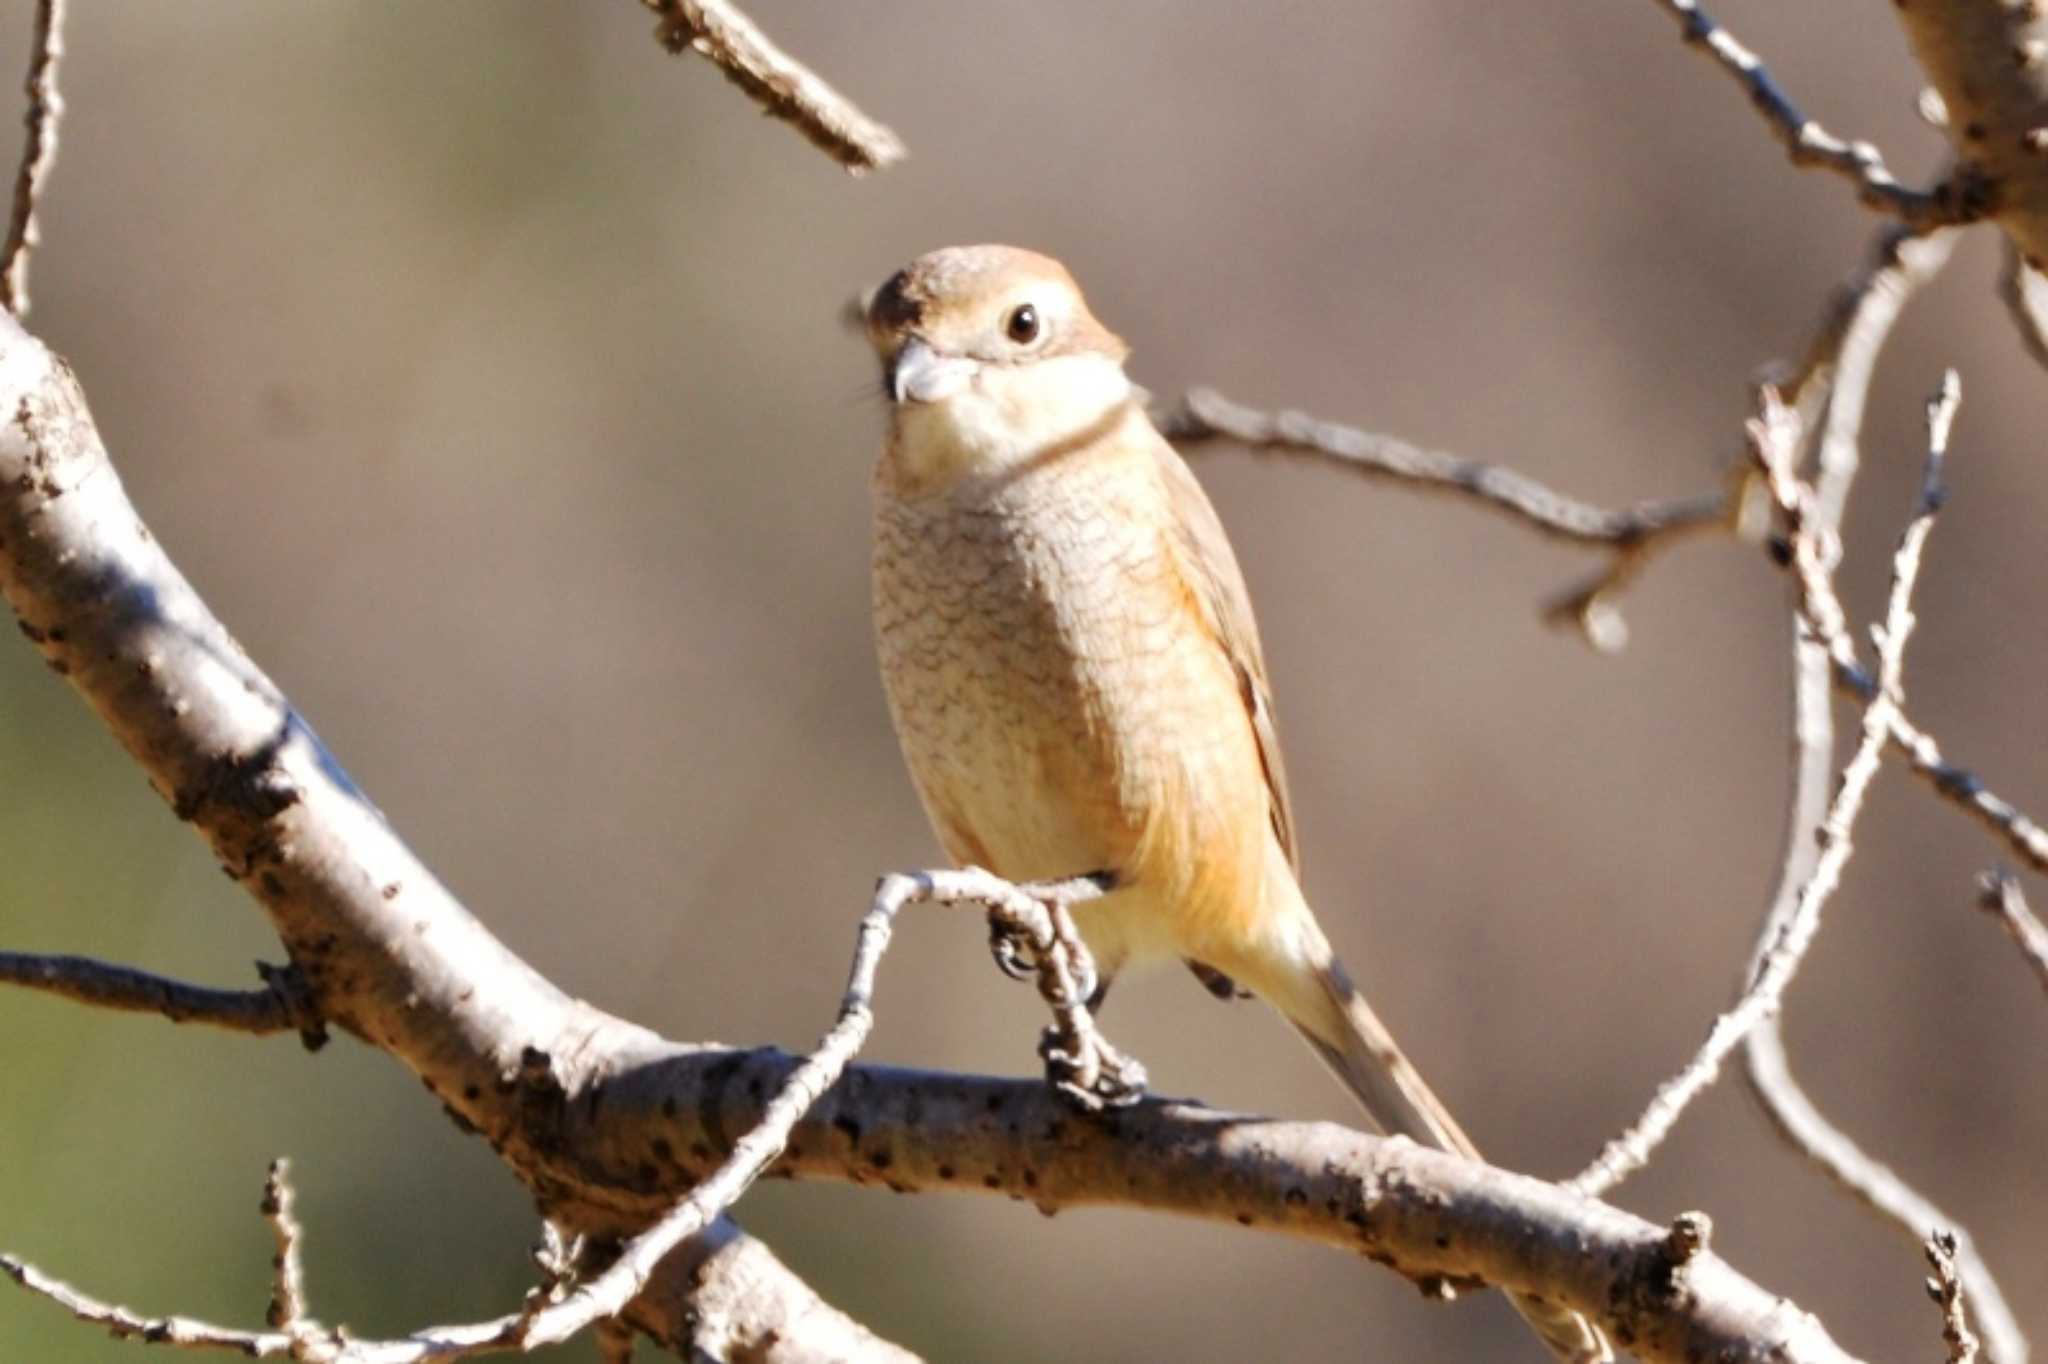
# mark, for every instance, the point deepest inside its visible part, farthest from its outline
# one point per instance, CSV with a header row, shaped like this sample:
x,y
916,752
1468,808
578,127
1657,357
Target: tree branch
x,y
1946,1288
280,1006
1631,535
1774,444
2000,894
1988,60
608,1124
785,88
38,153
1954,201
382,949
1838,367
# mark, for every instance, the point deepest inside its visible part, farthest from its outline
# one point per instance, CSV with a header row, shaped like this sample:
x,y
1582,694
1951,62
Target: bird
x,y
1074,671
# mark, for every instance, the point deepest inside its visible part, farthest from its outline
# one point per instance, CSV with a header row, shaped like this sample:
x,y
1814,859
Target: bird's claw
x,y
1014,955
1089,1073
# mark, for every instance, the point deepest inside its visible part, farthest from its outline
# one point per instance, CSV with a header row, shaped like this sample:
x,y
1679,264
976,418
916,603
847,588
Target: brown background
x,y
480,364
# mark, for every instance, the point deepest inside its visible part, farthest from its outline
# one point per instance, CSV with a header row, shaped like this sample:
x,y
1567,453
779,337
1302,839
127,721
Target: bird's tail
x,y
1318,998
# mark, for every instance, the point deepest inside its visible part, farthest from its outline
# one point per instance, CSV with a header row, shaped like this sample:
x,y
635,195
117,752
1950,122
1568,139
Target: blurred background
x,y
480,364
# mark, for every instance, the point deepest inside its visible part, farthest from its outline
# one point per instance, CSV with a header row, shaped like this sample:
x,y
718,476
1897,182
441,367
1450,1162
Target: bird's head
x,y
989,358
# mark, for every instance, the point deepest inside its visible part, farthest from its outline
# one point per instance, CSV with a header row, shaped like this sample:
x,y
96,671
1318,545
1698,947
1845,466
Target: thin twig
x,y
287,1310
281,1006
1834,378
1774,440
784,88
1999,893
431,1346
38,153
1809,144
1632,534
1946,1288
1033,913
1961,788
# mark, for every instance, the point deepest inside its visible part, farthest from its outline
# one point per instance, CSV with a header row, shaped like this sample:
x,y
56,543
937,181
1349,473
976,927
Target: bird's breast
x,y
1061,706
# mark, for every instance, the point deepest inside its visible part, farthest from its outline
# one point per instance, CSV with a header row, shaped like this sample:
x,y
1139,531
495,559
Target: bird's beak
x,y
920,374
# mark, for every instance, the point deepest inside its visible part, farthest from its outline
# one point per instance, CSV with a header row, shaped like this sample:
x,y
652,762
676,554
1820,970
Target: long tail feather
x,y
1318,998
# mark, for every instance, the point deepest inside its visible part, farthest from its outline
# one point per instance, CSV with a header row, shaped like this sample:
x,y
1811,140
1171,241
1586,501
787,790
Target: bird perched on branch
x,y
1075,673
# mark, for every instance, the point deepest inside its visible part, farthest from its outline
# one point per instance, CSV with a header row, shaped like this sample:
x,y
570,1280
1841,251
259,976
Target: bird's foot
x,y
1015,954
1086,1071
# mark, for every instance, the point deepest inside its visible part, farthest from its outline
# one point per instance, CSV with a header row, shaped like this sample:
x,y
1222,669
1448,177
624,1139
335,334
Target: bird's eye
x,y
1022,324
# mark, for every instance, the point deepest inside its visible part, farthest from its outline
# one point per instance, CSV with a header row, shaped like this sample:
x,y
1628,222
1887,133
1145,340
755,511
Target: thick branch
x,y
608,1124
382,949
1988,59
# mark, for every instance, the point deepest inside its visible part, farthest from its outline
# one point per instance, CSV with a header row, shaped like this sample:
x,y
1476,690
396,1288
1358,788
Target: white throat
x,y
1005,415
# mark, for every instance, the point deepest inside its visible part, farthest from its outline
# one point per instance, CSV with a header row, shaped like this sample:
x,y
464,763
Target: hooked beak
x,y
920,374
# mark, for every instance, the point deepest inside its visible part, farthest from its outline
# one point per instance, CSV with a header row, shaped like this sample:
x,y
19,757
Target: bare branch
x,y
1838,366
1632,535
1774,441
1842,354
607,1121
38,154
1031,913
1946,1288
1999,893
1809,144
1988,59
1960,787
785,88
281,1006
435,1344
287,1310
381,947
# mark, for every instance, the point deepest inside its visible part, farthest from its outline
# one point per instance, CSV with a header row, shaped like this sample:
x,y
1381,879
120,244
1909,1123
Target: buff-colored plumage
x,y
1073,666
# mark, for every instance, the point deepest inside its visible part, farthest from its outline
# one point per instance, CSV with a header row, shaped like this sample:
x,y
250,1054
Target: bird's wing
x,y
1211,570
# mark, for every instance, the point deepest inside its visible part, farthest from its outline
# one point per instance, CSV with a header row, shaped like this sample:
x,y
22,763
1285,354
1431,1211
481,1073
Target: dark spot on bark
x,y
272,884
647,1176
663,1151
849,1127
471,1092
991,1181
946,1172
1295,1198
668,1106
390,892
1244,1219
882,1159
1031,1179
699,1151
